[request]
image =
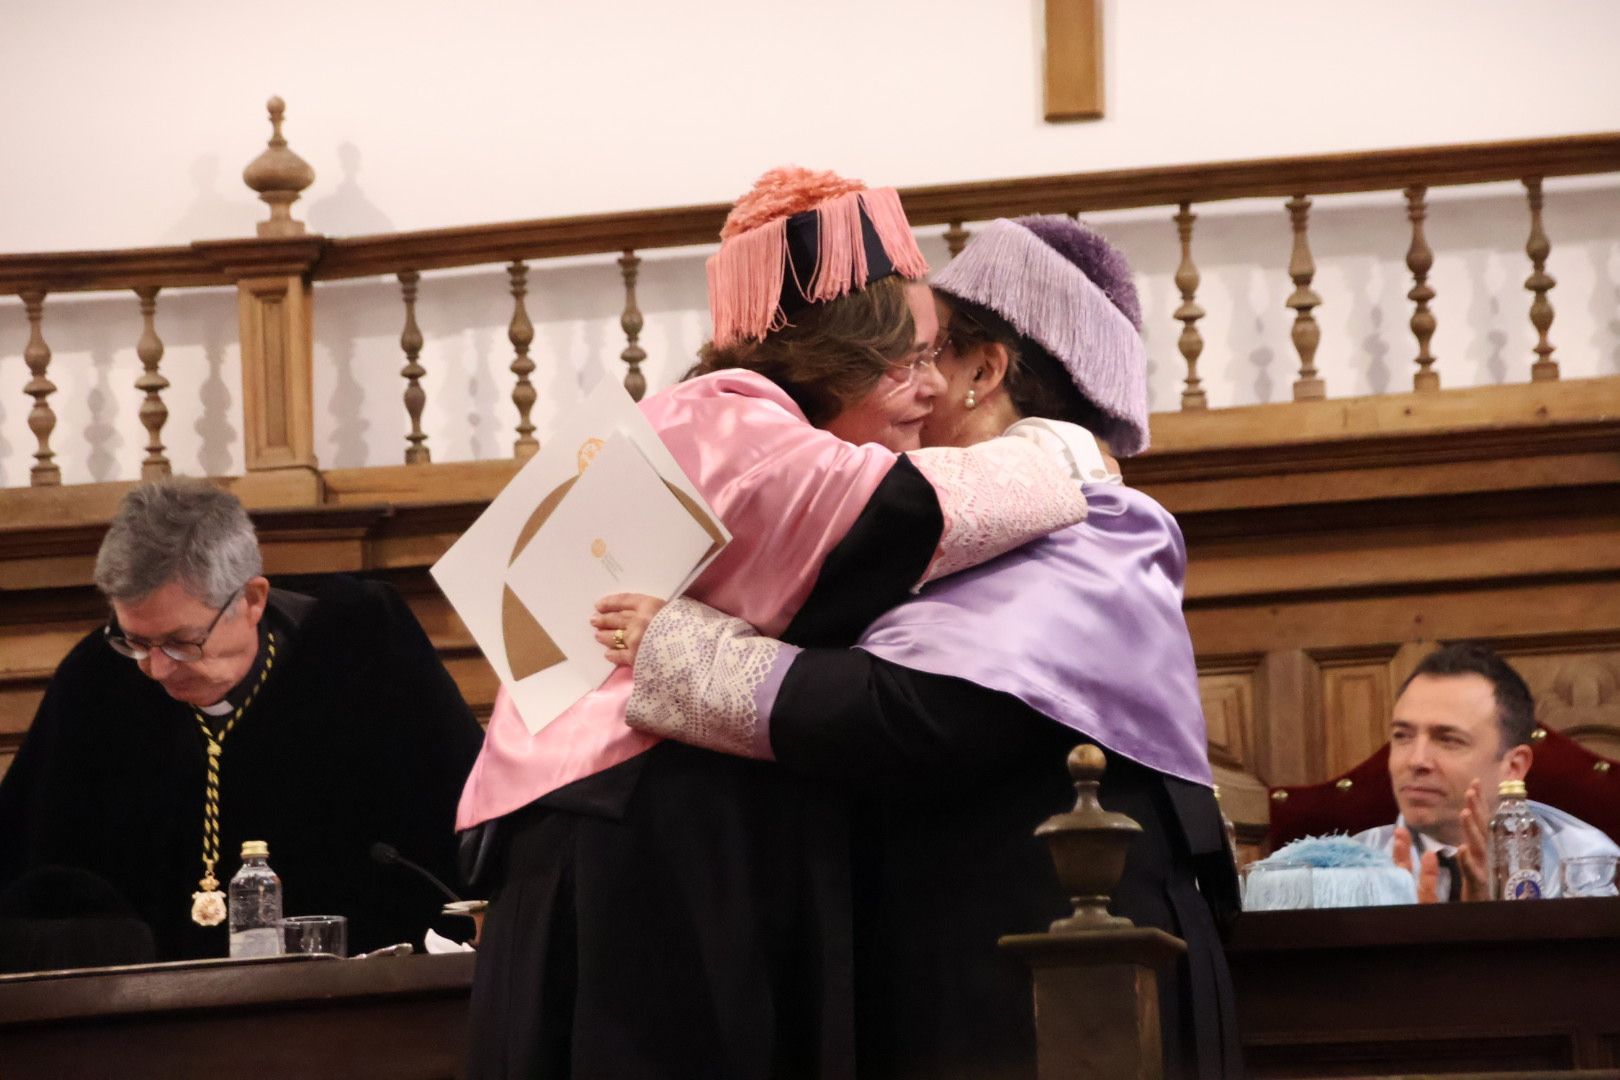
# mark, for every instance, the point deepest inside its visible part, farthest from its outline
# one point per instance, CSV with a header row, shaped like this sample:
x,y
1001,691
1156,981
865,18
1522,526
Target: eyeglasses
x,y
907,369
182,652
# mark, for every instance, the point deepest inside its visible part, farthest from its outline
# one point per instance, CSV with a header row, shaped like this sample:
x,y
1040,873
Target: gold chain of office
x,y
208,905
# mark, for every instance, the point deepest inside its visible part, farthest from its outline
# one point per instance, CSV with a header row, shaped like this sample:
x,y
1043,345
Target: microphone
x,y
387,853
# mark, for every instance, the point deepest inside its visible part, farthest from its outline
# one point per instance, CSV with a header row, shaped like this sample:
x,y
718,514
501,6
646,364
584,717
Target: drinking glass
x,y
1588,875
324,934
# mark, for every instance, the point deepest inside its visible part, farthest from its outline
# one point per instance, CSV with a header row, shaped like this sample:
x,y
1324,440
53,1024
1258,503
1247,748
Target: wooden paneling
x,y
1577,690
1228,691
316,1019
1074,59
1330,546
1420,990
1356,694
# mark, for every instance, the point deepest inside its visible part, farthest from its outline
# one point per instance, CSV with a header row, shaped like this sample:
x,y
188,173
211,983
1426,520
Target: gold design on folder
x,y
529,649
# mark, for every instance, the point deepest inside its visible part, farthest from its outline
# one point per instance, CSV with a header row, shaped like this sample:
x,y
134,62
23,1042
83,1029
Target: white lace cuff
x,y
996,495
707,679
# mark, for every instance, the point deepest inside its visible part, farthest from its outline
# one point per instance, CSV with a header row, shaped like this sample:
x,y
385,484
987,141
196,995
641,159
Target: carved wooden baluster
x,y
415,397
1307,335
631,321
1539,282
154,414
1191,342
1419,260
956,238
520,332
41,420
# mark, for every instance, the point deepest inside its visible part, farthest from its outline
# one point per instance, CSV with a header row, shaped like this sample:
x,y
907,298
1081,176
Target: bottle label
x,y
264,941
1524,885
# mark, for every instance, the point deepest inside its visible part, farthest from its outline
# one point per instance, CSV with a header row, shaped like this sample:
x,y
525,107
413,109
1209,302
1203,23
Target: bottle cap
x,y
261,849
1511,789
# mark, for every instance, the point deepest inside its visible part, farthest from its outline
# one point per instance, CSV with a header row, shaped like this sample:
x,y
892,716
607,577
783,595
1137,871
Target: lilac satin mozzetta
x,y
1084,626
787,491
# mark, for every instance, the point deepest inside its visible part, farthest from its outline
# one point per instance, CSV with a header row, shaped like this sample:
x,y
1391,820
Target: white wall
x,y
129,125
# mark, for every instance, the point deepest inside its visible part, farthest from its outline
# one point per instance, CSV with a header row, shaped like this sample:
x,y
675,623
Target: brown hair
x,y
1515,706
1037,384
830,355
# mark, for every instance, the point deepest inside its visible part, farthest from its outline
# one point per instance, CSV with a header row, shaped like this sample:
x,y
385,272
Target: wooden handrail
x,y
682,226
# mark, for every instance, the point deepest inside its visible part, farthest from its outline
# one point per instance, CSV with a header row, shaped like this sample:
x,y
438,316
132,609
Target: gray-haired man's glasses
x,y
181,652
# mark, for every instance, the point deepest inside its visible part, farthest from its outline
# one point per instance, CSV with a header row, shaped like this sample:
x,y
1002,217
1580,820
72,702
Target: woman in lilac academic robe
x,y
954,715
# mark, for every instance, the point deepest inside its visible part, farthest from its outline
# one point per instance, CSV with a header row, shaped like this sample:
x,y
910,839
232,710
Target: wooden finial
x,y
1088,846
279,176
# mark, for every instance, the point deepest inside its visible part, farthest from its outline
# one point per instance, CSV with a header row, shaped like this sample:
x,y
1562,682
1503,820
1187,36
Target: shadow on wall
x,y
213,425
213,213
101,434
346,211
1605,308
13,376
1488,336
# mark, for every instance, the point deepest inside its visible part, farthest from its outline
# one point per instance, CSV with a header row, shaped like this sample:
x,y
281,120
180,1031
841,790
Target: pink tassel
x,y
745,284
841,253
894,231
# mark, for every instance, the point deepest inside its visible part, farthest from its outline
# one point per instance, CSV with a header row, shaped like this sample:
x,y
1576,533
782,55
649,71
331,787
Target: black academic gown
x,y
955,778
686,914
358,735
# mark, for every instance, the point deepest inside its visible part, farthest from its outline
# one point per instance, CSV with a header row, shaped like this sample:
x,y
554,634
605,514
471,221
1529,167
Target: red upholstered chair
x,y
1564,774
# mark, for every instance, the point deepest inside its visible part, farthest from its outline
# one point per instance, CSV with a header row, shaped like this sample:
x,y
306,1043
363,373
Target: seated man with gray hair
x,y
213,709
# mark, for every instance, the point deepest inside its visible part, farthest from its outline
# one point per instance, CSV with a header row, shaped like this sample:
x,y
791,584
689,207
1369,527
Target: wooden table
x,y
1484,988
314,1018
1450,988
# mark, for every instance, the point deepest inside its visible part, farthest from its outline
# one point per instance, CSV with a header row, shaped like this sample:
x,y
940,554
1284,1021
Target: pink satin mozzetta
x,y
787,491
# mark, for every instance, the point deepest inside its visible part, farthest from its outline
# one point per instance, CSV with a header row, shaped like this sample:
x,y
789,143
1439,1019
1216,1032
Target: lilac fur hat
x,y
1064,286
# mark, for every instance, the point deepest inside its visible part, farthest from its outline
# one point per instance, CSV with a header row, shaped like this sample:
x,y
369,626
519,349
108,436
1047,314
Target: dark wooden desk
x,y
1483,988
1439,989
400,1017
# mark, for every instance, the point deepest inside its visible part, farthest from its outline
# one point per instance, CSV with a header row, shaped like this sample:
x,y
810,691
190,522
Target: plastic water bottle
x,y
255,904
1515,846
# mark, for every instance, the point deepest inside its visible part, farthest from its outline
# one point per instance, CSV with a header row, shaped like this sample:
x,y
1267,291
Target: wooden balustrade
x,y
1538,247
631,322
274,273
154,414
1419,260
1304,300
410,340
520,332
1191,342
41,420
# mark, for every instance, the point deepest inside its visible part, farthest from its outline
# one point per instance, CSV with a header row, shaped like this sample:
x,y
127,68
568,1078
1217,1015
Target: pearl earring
x,y
972,398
